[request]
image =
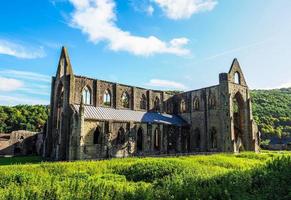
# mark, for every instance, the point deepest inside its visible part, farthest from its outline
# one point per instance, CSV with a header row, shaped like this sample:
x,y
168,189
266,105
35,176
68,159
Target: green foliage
x,y
272,111
22,117
221,176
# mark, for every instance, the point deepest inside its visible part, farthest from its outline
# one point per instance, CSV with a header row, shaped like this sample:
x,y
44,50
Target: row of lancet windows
x,y
125,99
196,104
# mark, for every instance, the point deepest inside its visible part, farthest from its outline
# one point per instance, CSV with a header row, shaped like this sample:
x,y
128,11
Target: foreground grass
x,y
220,176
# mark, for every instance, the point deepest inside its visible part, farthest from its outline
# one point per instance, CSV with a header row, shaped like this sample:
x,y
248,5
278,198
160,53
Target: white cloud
x,y
150,10
183,9
19,51
9,84
165,84
97,19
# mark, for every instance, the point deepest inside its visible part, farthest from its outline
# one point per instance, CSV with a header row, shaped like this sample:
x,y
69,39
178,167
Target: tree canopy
x,y
22,117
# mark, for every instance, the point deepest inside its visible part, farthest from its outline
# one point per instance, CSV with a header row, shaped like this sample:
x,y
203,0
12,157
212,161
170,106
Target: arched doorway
x,y
97,136
139,141
185,140
238,120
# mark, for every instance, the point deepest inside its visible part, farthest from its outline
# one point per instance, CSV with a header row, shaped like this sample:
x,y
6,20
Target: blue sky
x,y
159,44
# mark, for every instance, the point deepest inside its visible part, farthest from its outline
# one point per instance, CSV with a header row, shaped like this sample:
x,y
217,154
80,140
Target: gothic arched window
x,y
139,141
107,98
157,104
86,96
143,102
211,101
125,100
120,136
237,78
182,106
97,136
196,104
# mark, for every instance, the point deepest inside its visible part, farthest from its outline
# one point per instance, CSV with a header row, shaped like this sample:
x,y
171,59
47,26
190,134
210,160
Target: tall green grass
x,y
220,176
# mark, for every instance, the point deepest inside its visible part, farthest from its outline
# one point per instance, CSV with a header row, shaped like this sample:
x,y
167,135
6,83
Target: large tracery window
x,y
157,104
143,102
107,98
125,100
86,96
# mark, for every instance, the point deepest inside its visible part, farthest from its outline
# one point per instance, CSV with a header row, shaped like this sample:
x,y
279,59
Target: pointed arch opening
x,y
185,140
120,140
196,104
238,120
86,93
212,101
60,104
143,102
157,104
125,100
237,78
97,136
107,98
183,106
139,140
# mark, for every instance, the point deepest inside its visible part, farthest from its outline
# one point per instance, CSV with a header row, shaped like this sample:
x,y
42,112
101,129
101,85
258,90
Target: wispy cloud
x,y
23,87
20,51
238,49
97,19
26,75
165,84
183,9
15,100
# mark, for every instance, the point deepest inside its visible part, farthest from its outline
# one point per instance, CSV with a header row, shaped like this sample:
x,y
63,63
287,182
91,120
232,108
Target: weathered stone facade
x,y
21,143
217,118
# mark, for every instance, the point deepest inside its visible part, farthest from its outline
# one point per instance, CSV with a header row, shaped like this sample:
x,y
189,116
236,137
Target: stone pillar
x,y
82,127
131,139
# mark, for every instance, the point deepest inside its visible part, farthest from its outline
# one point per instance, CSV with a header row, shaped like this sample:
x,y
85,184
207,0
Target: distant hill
x,y
271,110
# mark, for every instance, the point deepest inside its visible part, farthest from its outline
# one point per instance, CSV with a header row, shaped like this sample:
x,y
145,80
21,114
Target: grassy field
x,y
221,176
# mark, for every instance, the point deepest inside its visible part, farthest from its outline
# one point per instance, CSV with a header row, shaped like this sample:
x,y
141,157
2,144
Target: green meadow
x,y
248,175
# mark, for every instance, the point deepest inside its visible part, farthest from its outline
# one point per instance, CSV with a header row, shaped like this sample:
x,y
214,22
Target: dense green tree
x,y
22,117
272,111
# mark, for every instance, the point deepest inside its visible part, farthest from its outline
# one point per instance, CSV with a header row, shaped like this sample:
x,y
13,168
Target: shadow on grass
x,y
20,160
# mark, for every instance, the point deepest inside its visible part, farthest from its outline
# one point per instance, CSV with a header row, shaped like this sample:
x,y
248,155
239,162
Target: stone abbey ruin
x,y
94,119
